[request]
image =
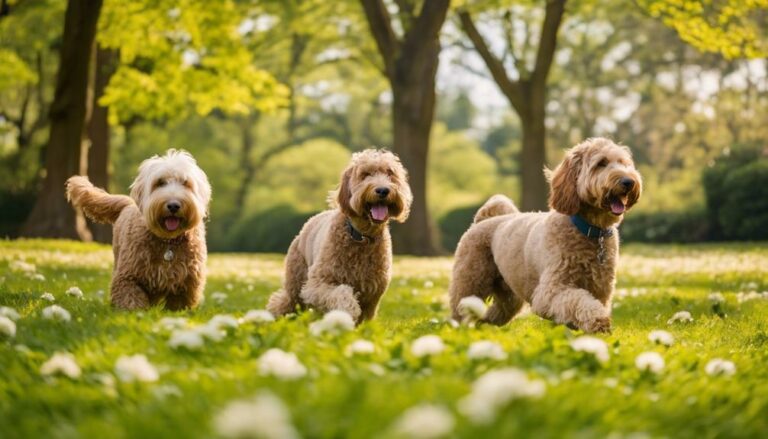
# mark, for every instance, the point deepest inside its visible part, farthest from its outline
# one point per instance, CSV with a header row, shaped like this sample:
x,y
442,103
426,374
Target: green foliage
x,y
271,230
581,397
737,194
14,72
453,225
681,226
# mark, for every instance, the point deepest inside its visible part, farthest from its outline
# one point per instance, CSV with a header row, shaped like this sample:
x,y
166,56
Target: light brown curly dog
x,y
159,234
562,262
341,259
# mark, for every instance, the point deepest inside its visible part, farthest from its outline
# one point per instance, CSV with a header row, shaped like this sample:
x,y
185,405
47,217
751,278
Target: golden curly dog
x,y
341,259
562,262
159,234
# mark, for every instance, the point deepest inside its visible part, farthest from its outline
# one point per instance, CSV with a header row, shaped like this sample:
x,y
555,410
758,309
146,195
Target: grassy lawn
x,y
343,394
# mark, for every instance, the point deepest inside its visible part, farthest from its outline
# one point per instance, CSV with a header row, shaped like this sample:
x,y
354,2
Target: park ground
x,y
555,390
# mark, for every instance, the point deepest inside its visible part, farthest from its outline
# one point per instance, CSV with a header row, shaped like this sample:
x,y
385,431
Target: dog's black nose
x,y
173,206
382,192
627,183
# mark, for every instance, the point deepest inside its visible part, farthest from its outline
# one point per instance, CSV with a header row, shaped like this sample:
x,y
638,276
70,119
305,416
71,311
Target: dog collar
x,y
590,230
356,235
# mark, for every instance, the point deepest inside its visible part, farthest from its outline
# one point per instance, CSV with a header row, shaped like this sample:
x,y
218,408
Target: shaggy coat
x,y
542,258
342,257
158,234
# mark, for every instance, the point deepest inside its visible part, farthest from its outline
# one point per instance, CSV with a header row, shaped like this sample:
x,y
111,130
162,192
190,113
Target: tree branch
x,y
548,41
426,28
381,28
510,88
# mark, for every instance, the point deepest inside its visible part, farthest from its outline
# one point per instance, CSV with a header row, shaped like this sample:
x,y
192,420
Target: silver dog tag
x,y
168,256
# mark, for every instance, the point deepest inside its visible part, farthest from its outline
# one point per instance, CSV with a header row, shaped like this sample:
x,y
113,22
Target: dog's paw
x,y
599,324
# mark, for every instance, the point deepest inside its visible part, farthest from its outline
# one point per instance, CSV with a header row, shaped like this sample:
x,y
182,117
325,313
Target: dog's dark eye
x,y
160,183
365,174
390,173
187,184
602,163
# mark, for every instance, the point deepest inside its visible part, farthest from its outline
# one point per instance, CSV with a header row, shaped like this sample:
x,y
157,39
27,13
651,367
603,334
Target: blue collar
x,y
589,230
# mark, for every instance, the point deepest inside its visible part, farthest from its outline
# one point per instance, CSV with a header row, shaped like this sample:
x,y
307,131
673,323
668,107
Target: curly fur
x,y
141,276
327,269
541,258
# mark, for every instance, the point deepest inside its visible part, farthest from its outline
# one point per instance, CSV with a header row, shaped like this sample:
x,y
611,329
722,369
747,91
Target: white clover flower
x,y
591,345
429,284
650,361
281,364
680,316
219,297
425,421
47,296
334,322
55,312
187,339
74,292
171,323
716,298
22,266
257,316
223,321
427,345
494,390
361,347
38,277
7,327
61,363
661,337
718,366
485,349
135,368
752,295
472,308
211,332
263,416
9,312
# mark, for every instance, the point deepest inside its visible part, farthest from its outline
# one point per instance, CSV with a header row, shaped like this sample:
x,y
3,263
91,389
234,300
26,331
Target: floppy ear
x,y
406,197
137,190
562,185
344,194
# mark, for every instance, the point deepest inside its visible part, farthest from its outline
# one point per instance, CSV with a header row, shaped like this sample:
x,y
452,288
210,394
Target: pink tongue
x,y
617,207
172,223
379,212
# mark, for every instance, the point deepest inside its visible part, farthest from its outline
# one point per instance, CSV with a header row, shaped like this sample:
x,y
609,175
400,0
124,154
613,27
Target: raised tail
x,y
96,203
495,206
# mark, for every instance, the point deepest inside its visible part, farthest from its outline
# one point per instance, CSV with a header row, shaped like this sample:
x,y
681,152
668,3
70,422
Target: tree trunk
x,y
98,132
52,216
532,161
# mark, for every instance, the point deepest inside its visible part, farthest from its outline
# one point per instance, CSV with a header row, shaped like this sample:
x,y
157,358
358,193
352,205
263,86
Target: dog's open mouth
x,y
379,212
618,205
171,223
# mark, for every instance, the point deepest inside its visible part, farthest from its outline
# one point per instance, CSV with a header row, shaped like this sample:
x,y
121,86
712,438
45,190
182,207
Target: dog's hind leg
x,y
506,304
474,271
285,300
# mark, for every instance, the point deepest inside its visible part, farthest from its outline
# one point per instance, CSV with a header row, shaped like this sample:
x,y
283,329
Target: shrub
x,y
453,224
271,230
685,226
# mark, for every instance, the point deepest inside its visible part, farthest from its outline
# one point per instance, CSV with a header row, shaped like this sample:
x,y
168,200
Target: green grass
x,y
363,396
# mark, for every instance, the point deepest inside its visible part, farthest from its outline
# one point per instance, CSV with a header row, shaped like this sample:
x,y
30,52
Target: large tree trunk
x,y
532,161
52,216
98,132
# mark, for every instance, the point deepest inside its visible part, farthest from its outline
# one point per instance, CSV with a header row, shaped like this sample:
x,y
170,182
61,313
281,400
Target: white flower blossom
x,y
718,366
494,390
281,364
55,312
263,416
680,316
425,421
429,284
47,296
7,327
186,338
135,368
752,295
219,297
9,312
361,347
61,363
591,345
75,292
223,321
334,322
211,332
21,266
650,361
427,345
171,323
661,337
472,308
38,277
257,316
486,349
716,297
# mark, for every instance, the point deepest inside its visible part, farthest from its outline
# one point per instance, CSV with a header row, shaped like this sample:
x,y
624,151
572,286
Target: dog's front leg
x,y
570,305
127,294
326,296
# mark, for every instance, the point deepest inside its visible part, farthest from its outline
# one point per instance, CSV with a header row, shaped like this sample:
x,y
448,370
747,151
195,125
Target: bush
x,y
736,189
453,224
14,209
271,230
686,226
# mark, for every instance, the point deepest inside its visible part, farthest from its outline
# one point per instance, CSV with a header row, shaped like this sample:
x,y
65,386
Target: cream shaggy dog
x,y
341,259
562,262
159,234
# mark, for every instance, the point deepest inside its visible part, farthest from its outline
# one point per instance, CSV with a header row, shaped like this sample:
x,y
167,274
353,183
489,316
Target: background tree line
x,y
273,96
